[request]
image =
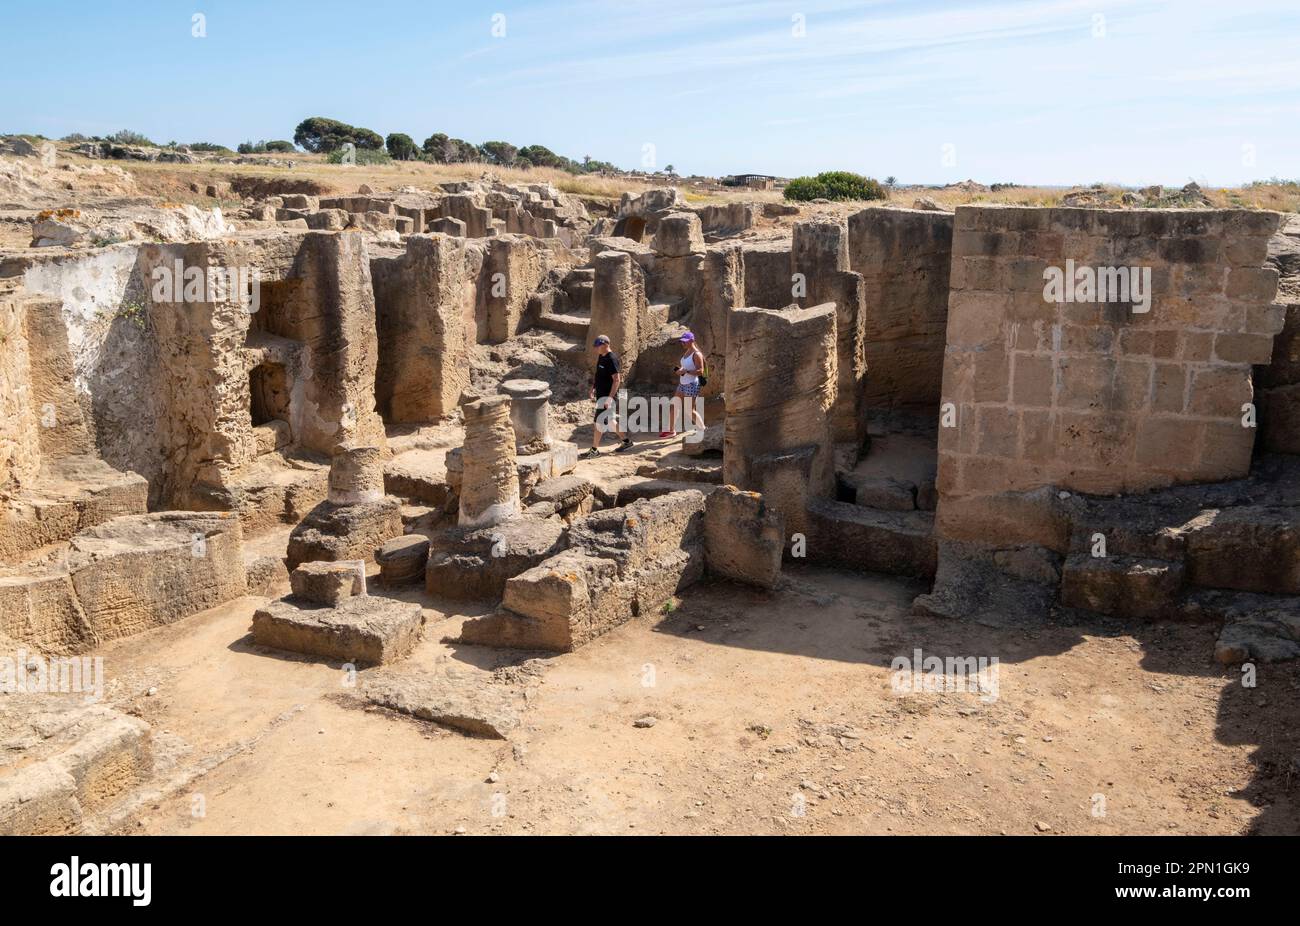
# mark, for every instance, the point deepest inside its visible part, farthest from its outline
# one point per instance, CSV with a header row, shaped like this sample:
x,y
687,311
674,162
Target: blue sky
x,y
1046,91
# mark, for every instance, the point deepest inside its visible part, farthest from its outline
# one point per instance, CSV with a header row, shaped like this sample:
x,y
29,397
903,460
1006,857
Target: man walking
x,y
604,389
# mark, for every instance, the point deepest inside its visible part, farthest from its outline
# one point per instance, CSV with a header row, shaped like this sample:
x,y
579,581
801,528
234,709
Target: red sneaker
x,y
666,433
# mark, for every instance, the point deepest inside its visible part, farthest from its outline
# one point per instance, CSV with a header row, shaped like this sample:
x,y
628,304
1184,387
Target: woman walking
x,y
689,373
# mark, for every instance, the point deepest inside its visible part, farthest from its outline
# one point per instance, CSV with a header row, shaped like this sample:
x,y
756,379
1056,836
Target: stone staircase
x,y
574,323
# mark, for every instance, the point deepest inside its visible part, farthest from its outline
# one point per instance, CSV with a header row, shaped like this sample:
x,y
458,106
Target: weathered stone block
x,y
328,583
883,492
782,382
679,234
743,540
1123,586
624,562
476,565
367,630
142,571
82,757
1251,548
403,559
338,532
895,542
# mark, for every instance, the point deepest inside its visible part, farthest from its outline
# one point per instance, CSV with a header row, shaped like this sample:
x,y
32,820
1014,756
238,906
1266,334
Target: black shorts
x,y
607,407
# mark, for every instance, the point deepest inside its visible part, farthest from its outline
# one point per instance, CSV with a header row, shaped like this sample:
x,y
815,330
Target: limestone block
x,y
781,385
424,304
565,492
743,540
708,445
678,234
367,630
448,226
618,306
403,559
339,532
895,542
328,583
883,492
767,274
476,565
77,759
1254,549
819,248
623,562
1123,586
141,571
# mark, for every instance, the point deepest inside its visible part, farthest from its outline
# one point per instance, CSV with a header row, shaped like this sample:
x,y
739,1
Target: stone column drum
x,y
356,475
489,485
529,413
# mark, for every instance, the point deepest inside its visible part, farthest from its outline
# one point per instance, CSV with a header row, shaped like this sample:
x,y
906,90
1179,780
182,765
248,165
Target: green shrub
x,y
802,189
263,147
127,137
833,185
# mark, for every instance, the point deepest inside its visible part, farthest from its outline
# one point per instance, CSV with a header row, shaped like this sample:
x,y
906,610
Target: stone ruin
x,y
891,394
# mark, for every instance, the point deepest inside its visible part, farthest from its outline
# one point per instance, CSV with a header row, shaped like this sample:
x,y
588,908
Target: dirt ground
x,y
772,713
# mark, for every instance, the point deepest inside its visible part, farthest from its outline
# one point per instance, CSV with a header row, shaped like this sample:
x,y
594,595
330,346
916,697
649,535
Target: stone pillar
x,y
781,386
356,475
489,485
421,300
847,290
721,290
618,306
529,413
819,249
513,267
678,234
679,252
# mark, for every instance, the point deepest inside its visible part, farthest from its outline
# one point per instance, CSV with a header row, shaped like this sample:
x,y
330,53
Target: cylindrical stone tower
x,y
356,475
529,413
489,485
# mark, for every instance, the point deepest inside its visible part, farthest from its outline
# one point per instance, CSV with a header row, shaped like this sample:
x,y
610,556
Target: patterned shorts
x,y
689,389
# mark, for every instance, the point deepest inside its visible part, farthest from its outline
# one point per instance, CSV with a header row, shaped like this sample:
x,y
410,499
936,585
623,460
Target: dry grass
x,y
161,178
172,181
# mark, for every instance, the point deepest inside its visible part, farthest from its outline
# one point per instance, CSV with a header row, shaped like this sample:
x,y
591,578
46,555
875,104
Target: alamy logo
x,y
937,675
1098,284
29,673
103,879
640,414
179,283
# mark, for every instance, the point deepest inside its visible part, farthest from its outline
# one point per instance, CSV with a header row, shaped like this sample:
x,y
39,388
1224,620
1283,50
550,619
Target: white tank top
x,y
688,363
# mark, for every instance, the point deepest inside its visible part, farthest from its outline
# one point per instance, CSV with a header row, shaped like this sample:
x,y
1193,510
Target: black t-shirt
x,y
606,366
